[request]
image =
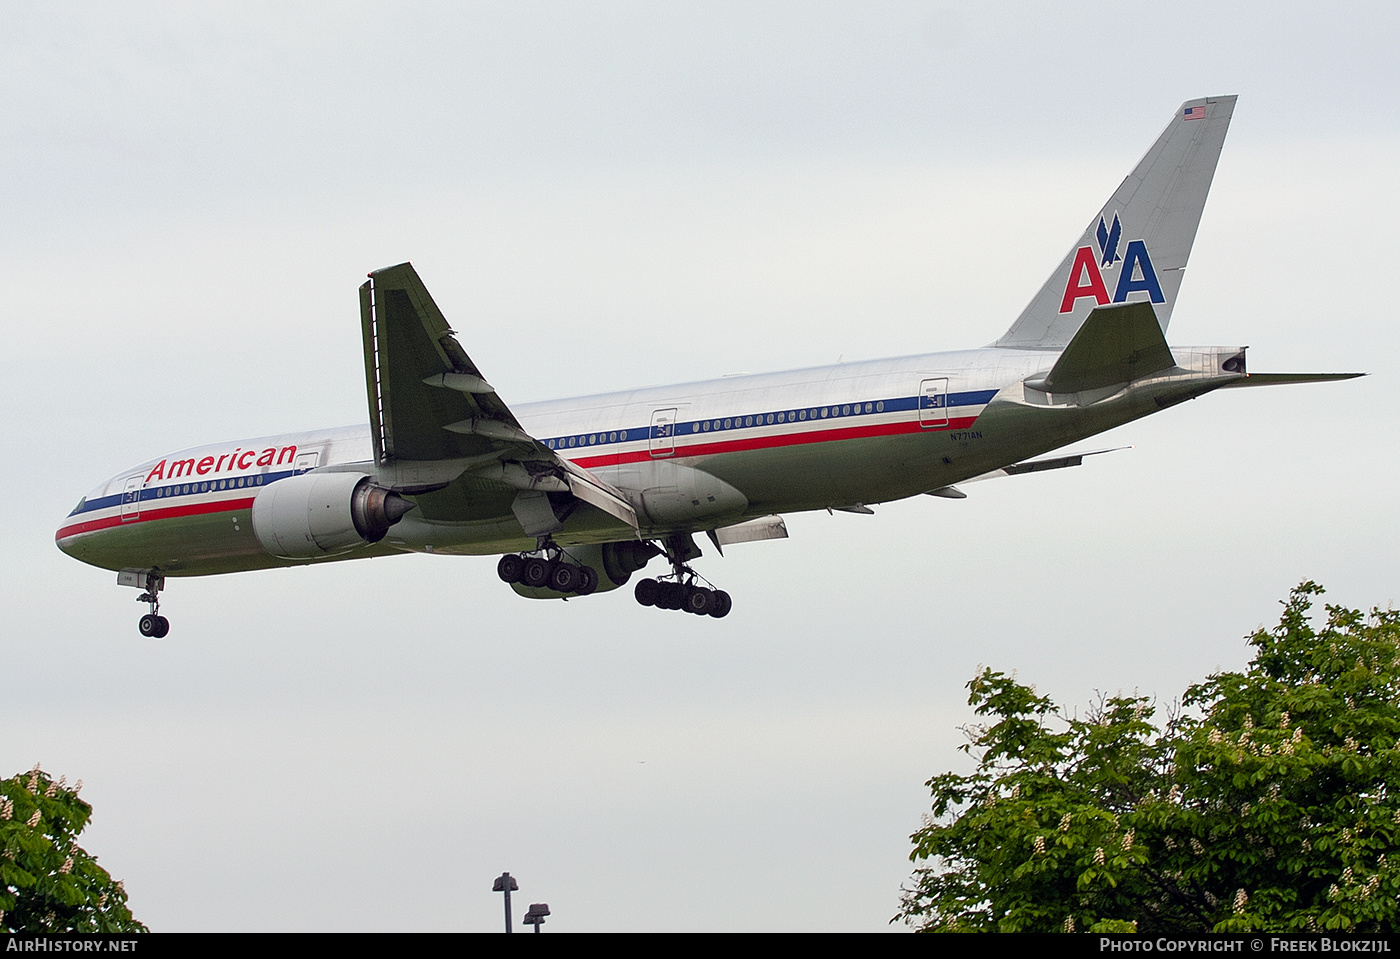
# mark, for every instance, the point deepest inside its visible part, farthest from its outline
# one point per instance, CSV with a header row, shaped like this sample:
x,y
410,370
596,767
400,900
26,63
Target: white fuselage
x,y
690,457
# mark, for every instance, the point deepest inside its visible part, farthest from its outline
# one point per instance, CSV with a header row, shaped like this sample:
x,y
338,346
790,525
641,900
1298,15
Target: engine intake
x,y
324,514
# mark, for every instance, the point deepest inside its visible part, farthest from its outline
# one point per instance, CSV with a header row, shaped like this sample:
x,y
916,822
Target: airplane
x,y
576,495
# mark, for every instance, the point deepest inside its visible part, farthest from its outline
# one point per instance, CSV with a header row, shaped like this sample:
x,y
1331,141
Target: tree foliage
x,y
47,882
1269,800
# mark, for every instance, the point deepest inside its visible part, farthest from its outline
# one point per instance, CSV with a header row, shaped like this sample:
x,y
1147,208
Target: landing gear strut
x,y
551,570
681,590
153,624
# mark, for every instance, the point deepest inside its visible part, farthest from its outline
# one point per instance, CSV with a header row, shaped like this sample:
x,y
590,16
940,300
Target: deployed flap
x,y
429,402
1116,344
765,527
1137,245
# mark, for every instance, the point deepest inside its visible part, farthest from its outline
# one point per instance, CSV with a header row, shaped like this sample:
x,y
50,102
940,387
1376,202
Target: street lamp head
x,y
535,917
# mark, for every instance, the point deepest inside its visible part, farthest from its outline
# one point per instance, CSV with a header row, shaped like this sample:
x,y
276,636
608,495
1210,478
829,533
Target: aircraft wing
x,y
428,401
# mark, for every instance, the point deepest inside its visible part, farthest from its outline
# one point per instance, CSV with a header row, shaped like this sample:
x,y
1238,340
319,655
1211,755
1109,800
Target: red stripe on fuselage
x,y
150,515
773,442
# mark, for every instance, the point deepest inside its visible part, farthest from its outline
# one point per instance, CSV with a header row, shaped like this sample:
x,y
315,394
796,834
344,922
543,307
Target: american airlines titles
x,y
1086,275
239,459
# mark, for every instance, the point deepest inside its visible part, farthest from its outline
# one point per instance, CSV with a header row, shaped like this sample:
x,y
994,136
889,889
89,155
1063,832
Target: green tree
x,y
47,882
1270,800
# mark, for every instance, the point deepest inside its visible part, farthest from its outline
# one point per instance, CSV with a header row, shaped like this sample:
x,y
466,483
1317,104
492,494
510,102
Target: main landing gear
x,y
550,571
153,624
681,590
668,594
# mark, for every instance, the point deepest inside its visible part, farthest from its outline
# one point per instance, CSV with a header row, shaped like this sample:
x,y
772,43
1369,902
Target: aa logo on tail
x,y
1134,266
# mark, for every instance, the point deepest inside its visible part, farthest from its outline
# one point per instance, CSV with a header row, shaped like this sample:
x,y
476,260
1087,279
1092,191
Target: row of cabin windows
x,y
210,485
730,423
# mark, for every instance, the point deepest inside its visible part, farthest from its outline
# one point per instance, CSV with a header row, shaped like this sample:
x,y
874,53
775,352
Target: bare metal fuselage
x,y
837,437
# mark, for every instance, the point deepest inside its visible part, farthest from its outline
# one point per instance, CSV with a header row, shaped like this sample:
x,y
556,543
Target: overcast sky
x,y
604,195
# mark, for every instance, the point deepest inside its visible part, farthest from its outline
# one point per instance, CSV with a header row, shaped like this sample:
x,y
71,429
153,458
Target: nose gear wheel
x,y
153,624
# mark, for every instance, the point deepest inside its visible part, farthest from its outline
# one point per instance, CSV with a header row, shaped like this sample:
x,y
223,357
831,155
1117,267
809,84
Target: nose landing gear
x,y
153,624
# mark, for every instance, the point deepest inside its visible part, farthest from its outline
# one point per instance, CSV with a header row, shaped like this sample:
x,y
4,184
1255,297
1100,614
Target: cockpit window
x,y
79,508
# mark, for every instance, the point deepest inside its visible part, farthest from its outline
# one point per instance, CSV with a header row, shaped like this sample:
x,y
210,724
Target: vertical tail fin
x,y
1136,247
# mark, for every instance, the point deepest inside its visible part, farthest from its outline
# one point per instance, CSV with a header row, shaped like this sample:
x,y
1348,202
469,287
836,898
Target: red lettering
x,y
221,462
268,455
243,460
204,465
289,453
181,468
1084,267
157,473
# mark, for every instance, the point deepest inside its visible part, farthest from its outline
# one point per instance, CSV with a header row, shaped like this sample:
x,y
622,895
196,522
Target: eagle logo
x,y
1108,241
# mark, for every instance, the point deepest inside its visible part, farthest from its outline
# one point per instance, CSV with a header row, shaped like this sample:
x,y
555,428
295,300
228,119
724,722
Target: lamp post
x,y
535,917
505,882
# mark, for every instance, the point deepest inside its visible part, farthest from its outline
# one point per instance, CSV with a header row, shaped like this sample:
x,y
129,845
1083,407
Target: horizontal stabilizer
x,y
1036,466
1116,344
1283,379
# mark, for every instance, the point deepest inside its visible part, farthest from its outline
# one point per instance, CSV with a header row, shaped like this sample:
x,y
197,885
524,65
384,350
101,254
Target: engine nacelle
x,y
324,514
613,562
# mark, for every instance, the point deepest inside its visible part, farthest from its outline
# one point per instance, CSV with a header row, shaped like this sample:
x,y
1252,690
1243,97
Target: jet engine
x,y
613,562
324,514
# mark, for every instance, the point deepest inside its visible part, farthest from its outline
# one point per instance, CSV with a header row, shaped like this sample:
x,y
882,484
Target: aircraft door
x,y
663,432
131,497
933,403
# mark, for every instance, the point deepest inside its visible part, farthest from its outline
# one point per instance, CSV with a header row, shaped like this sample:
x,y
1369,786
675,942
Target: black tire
x,y
162,627
722,604
587,580
149,624
699,600
564,577
670,596
537,572
511,568
646,591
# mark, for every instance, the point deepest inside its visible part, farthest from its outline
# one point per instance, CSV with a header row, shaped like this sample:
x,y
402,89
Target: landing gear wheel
x,y
537,572
153,624
670,596
564,578
699,600
646,592
587,580
721,604
511,568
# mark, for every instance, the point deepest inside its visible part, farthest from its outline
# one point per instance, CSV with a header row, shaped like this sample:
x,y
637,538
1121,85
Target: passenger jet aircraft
x,y
579,494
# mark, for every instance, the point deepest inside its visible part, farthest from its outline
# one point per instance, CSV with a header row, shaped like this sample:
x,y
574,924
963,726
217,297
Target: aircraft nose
x,y
63,539
66,536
